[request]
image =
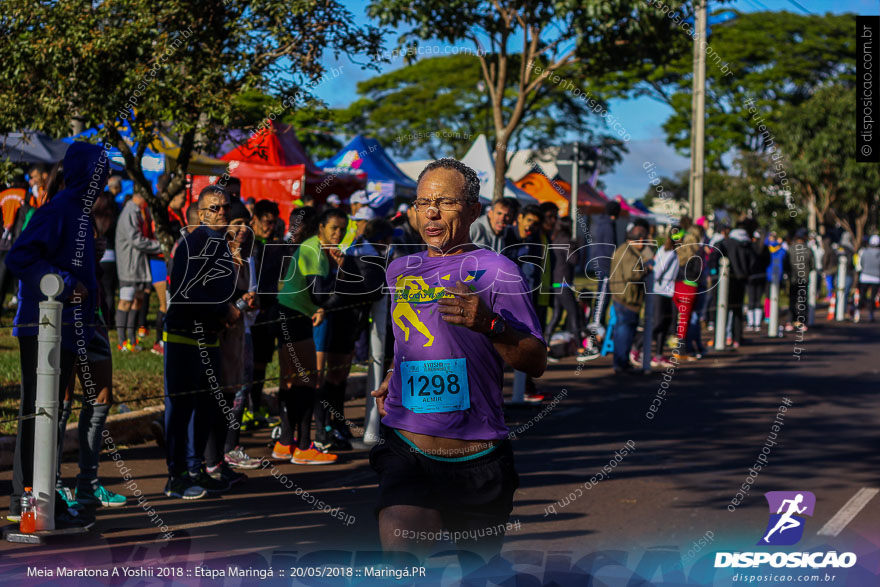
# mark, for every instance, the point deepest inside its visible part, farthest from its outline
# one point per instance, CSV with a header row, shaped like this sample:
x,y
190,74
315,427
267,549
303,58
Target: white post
x,y
379,314
840,306
811,297
721,304
649,323
773,326
46,424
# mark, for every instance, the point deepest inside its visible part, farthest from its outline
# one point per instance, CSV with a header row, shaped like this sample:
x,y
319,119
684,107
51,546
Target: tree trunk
x,y
500,170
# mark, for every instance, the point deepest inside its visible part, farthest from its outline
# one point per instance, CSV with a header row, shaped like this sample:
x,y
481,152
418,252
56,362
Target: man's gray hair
x,y
471,179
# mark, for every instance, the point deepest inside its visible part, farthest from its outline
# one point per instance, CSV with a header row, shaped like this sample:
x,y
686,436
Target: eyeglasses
x,y
215,208
445,204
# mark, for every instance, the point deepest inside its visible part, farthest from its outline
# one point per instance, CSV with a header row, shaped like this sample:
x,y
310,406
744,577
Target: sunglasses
x,y
215,208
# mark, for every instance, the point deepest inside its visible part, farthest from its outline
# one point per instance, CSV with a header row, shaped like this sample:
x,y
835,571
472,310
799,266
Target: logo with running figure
x,y
787,511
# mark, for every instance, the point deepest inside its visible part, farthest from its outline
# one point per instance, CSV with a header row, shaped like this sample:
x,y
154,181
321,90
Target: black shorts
x,y
470,495
263,335
292,326
338,333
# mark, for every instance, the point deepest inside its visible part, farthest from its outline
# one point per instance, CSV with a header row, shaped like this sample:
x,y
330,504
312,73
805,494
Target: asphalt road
x,y
671,483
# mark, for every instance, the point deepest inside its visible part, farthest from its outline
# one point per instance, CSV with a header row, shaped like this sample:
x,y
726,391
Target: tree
x,y
439,104
172,67
818,153
596,35
774,59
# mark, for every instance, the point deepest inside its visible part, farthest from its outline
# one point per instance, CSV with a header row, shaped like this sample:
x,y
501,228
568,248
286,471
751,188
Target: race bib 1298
x,y
435,386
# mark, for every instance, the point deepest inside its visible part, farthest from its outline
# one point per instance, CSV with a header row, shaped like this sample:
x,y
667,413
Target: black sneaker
x,y
224,472
184,488
69,518
338,441
210,484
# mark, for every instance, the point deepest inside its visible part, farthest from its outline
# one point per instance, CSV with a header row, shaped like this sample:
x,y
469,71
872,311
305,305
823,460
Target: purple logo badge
x,y
787,511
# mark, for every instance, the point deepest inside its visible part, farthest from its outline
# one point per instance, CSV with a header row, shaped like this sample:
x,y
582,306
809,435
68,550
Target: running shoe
x,y
281,452
211,484
660,362
248,422
68,496
551,359
261,415
238,459
635,359
590,354
184,487
13,517
534,398
73,519
312,457
224,473
101,495
143,332
158,348
338,441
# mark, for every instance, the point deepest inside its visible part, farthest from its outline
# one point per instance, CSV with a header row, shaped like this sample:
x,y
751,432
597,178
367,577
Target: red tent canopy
x,y
282,185
277,145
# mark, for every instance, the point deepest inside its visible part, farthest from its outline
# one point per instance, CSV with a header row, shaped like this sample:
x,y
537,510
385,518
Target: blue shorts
x,y
158,270
321,334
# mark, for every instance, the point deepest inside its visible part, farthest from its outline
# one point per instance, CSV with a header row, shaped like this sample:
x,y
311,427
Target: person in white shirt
x,y
665,272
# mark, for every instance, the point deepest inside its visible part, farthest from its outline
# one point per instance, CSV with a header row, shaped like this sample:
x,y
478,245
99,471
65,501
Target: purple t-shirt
x,y
448,379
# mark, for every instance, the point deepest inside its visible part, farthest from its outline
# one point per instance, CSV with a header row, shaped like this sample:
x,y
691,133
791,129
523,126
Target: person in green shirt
x,y
300,313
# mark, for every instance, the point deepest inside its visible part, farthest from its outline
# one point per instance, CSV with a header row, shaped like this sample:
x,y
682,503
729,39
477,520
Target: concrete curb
x,y
134,427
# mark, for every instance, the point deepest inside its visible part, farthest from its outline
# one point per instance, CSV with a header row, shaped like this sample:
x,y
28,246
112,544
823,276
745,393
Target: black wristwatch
x,y
497,327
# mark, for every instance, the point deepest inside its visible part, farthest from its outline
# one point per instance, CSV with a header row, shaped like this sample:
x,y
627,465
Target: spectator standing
x,y
869,278
135,243
738,248
51,243
202,286
489,230
627,286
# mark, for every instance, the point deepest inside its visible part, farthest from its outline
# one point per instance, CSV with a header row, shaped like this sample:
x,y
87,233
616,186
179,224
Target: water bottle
x,y
28,524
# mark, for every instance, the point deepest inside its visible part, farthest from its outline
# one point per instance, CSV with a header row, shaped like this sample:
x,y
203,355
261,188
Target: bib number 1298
x,y
435,386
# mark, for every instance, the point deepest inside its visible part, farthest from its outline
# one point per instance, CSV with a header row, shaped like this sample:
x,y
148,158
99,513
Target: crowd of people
x,y
241,283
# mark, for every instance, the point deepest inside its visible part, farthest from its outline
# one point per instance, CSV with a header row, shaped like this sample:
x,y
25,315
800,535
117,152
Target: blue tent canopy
x,y
385,180
153,163
31,147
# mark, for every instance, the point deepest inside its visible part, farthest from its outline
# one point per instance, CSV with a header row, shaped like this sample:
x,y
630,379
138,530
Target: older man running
x,y
460,313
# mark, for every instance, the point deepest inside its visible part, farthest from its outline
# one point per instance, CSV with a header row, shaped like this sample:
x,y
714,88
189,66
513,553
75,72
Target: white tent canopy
x,y
480,159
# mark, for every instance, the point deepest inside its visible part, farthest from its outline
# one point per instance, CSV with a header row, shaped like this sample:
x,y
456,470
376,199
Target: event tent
x,y
385,180
282,185
31,147
559,192
152,162
277,145
480,159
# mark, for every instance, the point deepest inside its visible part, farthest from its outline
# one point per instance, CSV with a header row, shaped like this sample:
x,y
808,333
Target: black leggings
x,y
299,400
565,300
755,292
735,307
663,316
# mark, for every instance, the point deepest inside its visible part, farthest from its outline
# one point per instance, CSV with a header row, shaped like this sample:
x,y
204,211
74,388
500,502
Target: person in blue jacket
x,y
58,239
778,251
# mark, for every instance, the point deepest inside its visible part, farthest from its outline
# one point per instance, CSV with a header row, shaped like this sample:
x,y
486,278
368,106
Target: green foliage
x,y
179,65
820,158
438,104
774,58
583,38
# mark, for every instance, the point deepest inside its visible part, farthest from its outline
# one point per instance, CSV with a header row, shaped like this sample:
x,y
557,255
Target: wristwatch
x,y
497,327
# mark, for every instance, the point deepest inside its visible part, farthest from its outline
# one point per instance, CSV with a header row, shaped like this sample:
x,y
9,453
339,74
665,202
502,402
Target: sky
x,y
642,117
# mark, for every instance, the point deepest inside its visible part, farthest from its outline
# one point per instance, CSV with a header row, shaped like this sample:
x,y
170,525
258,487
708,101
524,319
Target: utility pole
x,y
698,110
